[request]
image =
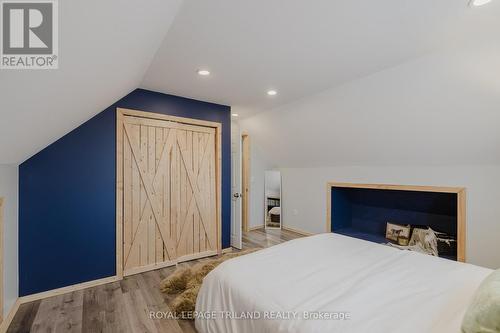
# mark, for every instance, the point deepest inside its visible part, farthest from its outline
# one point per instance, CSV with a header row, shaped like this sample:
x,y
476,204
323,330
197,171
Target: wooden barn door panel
x,y
197,227
169,205
149,218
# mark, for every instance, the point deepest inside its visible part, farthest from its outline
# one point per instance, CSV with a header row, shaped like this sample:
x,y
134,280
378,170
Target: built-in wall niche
x,y
363,210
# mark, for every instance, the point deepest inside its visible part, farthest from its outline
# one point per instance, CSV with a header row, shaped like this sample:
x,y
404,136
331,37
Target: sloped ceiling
x,y
105,49
441,109
299,47
108,48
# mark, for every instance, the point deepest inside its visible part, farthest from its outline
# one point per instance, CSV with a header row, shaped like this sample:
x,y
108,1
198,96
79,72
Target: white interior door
x,y
236,186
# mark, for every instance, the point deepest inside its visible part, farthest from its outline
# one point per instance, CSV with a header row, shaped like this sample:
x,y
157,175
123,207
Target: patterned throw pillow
x,y
426,240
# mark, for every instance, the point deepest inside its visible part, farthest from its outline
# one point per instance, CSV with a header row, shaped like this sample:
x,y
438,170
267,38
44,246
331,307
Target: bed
x,y
371,287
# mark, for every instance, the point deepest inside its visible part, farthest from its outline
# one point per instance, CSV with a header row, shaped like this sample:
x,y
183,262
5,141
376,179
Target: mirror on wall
x,y
272,186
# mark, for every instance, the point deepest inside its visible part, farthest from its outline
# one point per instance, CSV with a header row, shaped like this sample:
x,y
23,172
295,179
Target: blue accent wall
x,y
67,195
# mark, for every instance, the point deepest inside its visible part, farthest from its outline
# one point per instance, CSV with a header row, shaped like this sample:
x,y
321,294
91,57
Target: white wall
x,y
441,109
9,190
431,121
304,198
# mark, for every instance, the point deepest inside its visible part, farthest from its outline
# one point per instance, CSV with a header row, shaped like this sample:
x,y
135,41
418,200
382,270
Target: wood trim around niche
x,y
461,206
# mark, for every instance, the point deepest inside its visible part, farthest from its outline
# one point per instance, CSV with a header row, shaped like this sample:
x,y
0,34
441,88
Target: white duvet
x,y
381,289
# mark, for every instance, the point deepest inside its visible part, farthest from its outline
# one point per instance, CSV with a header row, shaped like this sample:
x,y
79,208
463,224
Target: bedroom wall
x,y
441,109
67,195
431,121
9,191
304,198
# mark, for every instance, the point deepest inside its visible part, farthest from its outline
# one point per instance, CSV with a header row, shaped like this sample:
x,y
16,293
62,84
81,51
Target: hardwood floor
x,y
121,306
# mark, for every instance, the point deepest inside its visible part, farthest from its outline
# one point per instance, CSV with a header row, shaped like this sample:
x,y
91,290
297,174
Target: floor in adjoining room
x,y
121,306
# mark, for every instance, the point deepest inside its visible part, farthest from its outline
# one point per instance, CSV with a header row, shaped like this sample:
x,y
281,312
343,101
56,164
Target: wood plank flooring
x,y
121,306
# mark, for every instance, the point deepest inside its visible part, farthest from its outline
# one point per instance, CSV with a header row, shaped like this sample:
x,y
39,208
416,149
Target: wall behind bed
x,y
304,192
429,121
67,195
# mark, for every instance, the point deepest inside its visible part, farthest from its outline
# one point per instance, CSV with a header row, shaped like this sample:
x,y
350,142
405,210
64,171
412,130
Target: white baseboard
x,y
297,231
257,227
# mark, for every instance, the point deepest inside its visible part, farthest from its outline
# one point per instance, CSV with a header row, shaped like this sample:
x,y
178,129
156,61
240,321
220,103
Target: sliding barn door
x,y
169,193
197,227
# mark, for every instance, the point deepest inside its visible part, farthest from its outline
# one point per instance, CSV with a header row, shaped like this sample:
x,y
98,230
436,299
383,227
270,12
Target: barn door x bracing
x,y
168,190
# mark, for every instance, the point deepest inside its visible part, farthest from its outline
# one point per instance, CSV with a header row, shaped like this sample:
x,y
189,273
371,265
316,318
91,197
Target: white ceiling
x,y
441,109
105,48
296,47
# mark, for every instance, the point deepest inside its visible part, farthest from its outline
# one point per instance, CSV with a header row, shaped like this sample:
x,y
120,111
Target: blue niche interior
x,y
363,213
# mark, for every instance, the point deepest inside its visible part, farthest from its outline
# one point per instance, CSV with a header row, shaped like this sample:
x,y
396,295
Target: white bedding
x,y
383,289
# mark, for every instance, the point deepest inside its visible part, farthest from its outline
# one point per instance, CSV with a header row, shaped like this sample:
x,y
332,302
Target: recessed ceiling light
x,y
203,72
272,92
477,3
234,114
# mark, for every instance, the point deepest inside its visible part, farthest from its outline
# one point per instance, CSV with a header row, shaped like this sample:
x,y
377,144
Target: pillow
x,y
446,244
426,240
483,314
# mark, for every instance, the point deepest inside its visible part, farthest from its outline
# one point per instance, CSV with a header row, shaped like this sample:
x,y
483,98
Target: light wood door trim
x,y
145,118
180,120
461,193
119,194
419,188
245,180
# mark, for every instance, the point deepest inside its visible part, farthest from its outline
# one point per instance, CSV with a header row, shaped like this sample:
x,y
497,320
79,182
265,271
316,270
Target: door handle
x,y
237,195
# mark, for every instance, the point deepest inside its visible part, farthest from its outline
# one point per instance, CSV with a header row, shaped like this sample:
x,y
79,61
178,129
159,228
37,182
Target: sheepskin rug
x,y
183,285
